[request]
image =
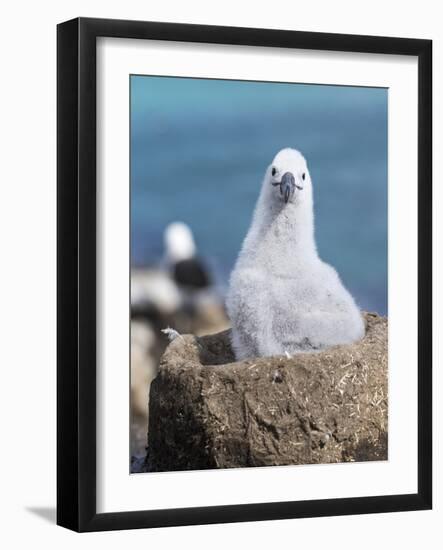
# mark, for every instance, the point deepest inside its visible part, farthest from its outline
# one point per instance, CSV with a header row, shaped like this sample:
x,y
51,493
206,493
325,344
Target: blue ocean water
x,y
199,149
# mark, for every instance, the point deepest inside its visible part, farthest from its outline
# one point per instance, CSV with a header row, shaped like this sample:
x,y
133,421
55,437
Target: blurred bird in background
x,y
187,269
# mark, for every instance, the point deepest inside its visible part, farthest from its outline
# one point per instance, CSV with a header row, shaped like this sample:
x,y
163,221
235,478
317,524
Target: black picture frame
x,y
76,279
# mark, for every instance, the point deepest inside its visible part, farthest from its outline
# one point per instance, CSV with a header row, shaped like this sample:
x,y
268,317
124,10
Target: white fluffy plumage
x,y
282,297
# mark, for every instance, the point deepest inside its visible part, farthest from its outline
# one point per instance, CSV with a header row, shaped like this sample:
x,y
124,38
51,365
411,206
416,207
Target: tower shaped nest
x,y
208,411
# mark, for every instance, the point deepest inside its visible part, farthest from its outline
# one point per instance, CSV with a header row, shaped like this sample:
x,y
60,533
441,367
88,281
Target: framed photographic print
x,y
244,274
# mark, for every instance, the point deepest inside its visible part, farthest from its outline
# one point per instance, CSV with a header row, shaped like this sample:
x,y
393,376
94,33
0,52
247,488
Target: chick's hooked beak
x,y
287,186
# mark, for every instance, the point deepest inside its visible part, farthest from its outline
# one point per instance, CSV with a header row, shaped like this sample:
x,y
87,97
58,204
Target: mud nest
x,y
208,411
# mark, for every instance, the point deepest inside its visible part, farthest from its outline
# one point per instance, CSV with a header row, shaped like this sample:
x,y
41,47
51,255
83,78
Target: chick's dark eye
x,y
274,170
303,176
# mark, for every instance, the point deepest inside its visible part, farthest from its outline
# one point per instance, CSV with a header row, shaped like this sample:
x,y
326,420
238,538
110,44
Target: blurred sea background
x,y
199,149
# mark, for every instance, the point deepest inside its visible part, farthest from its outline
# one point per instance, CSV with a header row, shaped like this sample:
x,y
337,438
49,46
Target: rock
x,y
143,370
153,289
208,411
